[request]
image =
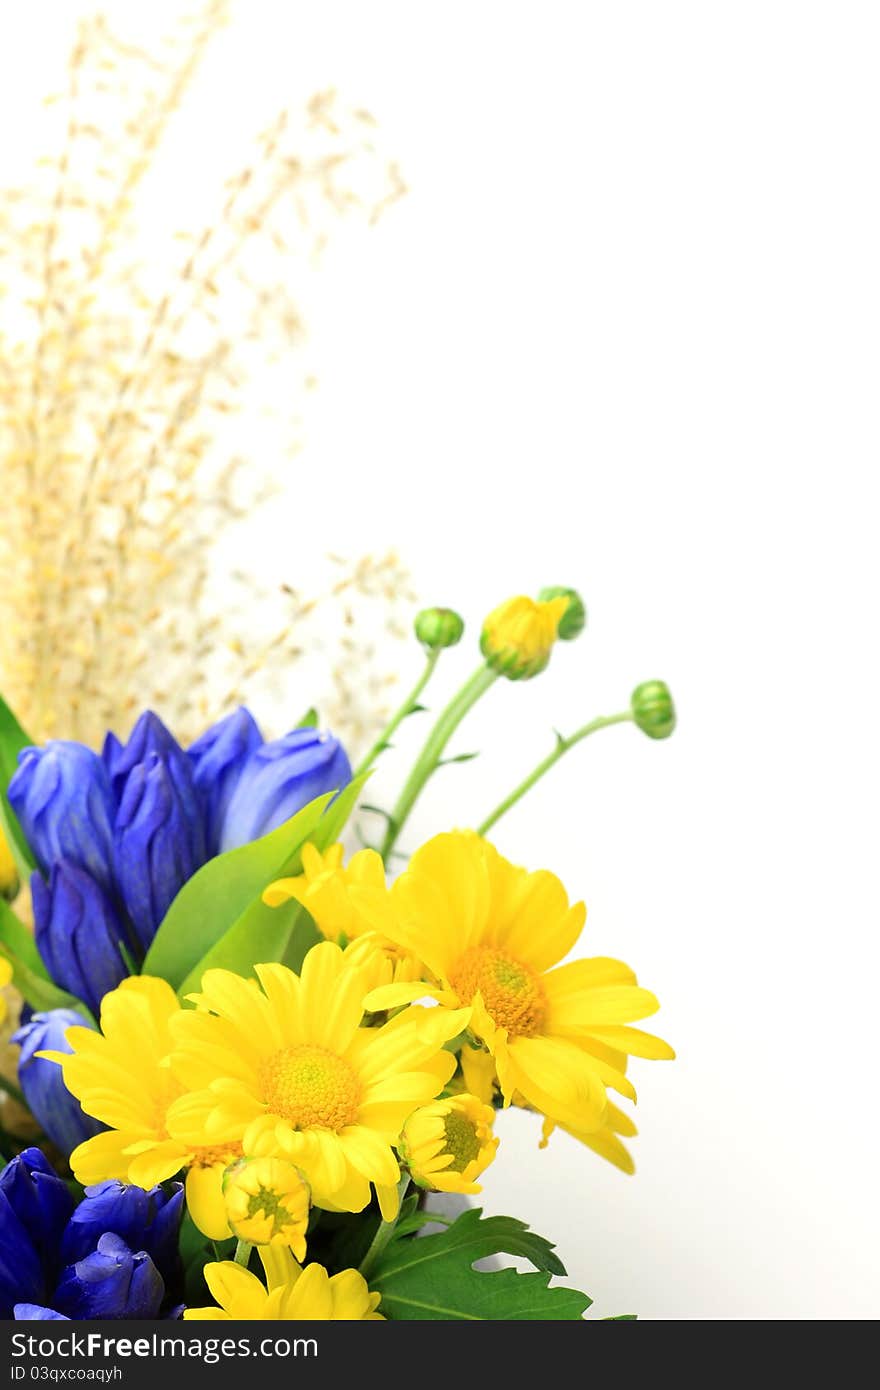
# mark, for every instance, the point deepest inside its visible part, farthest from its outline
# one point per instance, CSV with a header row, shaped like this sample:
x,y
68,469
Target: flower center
x,y
461,1141
207,1155
311,1087
512,992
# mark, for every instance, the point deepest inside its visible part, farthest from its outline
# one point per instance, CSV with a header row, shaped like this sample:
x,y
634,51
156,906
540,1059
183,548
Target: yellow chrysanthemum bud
x,y
518,635
574,619
448,1144
652,709
267,1203
438,627
381,962
8,871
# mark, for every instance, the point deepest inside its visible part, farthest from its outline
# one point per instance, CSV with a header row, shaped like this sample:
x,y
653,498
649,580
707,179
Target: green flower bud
x,y
574,619
652,709
438,627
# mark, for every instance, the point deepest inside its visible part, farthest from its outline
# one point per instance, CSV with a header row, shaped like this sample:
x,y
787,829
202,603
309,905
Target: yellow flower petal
x,y
204,1200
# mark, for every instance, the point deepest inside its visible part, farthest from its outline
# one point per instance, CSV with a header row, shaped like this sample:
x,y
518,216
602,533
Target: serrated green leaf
x,y
433,1277
12,739
215,898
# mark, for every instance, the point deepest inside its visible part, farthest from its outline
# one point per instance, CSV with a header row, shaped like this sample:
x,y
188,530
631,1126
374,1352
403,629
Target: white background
x,y
623,334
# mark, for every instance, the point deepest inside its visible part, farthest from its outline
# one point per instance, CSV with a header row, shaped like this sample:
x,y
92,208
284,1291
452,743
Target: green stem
x,y
562,747
384,1231
405,709
243,1250
429,758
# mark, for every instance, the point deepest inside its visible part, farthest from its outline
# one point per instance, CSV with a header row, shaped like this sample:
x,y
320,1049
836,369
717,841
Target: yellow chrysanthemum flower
x,y
293,1294
287,1069
121,1076
448,1144
267,1203
490,933
325,890
324,886
519,634
8,871
5,978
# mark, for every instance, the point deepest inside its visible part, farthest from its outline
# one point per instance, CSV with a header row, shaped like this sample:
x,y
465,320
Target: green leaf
x,y
16,937
334,822
285,933
459,758
433,1277
215,898
12,739
309,720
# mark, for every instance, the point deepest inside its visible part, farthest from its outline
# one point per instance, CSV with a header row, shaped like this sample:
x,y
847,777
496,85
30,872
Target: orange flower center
x,y
207,1155
512,992
311,1087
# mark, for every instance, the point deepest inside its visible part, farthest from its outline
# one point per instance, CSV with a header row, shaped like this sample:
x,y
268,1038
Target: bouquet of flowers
x,y
251,1059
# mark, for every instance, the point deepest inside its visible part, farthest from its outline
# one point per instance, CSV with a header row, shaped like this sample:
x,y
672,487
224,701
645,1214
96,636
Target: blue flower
x,y
147,1221
35,1206
156,849
111,1282
149,742
62,797
113,1256
78,933
218,759
58,1113
279,779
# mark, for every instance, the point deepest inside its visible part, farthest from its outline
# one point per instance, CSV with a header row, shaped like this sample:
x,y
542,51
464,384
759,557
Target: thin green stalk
x,y
384,1231
429,759
243,1250
406,708
562,747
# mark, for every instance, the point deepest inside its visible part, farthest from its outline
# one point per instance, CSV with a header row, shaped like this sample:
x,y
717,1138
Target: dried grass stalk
x,y
118,381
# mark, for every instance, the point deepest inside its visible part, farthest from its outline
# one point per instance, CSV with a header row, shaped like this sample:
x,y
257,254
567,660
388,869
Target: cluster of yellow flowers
x,y
431,1003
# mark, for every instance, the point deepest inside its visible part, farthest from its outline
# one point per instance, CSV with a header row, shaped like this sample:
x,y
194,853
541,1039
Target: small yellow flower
x,y
323,889
121,1076
519,634
448,1144
5,977
8,871
294,1294
267,1203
